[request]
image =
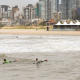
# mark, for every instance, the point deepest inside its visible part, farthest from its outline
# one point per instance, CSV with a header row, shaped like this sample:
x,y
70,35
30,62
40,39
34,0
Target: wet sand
x,y
33,31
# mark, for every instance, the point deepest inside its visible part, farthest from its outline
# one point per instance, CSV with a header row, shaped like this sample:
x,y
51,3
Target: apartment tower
x,y
67,7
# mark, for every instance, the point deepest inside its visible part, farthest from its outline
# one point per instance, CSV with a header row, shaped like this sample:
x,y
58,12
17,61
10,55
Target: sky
x,y
20,3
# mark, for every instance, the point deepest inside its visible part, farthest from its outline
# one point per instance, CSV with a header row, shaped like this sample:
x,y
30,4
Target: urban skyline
x,y
43,9
12,3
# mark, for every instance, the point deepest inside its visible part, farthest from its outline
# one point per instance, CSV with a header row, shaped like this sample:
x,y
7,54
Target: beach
x,y
39,31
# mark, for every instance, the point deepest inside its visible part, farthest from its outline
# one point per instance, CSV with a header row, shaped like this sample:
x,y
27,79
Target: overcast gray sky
x,y
20,3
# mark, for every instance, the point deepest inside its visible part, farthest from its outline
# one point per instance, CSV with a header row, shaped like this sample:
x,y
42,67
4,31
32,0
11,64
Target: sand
x,y
33,31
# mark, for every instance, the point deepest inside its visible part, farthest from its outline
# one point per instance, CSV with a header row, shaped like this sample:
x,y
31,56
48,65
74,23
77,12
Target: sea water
x,y
62,52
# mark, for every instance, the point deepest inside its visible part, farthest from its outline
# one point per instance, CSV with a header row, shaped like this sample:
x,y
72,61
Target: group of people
x,y
37,61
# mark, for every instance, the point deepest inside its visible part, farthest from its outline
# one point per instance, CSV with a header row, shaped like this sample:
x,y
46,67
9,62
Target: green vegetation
x,y
26,27
1,26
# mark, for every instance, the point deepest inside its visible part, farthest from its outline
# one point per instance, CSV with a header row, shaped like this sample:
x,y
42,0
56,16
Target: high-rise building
x,y
36,9
14,9
45,9
9,13
54,6
0,12
3,11
67,7
26,13
77,3
29,12
57,5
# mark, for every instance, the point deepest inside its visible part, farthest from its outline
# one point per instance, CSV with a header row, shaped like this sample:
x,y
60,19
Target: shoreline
x,y
40,31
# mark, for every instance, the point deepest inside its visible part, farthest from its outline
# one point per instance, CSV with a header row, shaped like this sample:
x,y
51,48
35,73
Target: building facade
x,y
77,3
3,11
45,9
57,5
36,8
29,12
67,7
55,9
53,6
14,10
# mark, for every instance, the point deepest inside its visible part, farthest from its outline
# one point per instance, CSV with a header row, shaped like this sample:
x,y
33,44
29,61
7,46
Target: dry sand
x,y
33,31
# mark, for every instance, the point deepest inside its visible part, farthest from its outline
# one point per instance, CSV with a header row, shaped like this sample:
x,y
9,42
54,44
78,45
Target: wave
x,y
2,55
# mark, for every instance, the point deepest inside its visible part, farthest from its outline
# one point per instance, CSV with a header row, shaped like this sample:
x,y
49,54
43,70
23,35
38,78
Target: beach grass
x,y
25,27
